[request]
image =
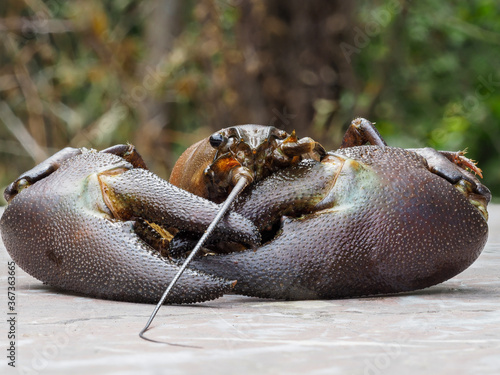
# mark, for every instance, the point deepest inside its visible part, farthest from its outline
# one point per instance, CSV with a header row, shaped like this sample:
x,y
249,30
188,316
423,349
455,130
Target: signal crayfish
x,y
361,220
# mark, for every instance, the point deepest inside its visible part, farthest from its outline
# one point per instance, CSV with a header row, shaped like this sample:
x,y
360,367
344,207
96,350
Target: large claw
x,y
140,193
62,231
376,221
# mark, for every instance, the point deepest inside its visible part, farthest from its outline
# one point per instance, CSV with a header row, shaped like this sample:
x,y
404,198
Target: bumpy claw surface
x,y
366,220
63,230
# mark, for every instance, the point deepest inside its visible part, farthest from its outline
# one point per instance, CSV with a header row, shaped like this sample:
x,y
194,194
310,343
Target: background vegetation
x,y
164,74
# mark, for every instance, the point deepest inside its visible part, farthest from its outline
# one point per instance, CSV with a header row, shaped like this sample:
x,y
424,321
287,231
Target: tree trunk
x,y
161,30
293,70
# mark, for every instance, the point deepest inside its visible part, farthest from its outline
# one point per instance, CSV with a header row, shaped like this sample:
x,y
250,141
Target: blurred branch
x,y
12,147
16,127
474,31
37,26
101,131
28,88
7,82
34,105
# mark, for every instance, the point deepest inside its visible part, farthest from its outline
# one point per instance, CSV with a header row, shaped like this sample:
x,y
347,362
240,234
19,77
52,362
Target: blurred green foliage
x,y
82,73
429,77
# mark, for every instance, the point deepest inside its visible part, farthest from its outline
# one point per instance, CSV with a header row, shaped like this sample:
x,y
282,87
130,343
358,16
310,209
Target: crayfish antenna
x,y
240,185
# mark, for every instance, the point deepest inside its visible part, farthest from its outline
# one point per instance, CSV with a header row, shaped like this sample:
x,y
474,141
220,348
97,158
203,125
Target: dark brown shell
x,y
394,227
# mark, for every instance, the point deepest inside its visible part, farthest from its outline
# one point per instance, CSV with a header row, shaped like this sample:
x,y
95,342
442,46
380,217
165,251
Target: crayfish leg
x,y
294,147
360,132
459,159
129,153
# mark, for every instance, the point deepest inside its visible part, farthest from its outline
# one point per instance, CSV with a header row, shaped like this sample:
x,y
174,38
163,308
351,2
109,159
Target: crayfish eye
x,y
216,140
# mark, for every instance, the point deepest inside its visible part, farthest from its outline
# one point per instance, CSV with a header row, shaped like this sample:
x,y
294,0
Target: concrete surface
x,y
451,328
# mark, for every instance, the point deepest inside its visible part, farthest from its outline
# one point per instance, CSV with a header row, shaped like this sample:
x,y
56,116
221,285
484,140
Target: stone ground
x,y
451,328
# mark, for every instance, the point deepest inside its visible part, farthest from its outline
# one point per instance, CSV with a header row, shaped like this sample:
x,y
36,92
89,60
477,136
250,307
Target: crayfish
x,y
361,220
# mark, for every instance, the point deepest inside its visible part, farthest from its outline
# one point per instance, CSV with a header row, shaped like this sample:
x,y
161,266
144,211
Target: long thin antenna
x,y
242,182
